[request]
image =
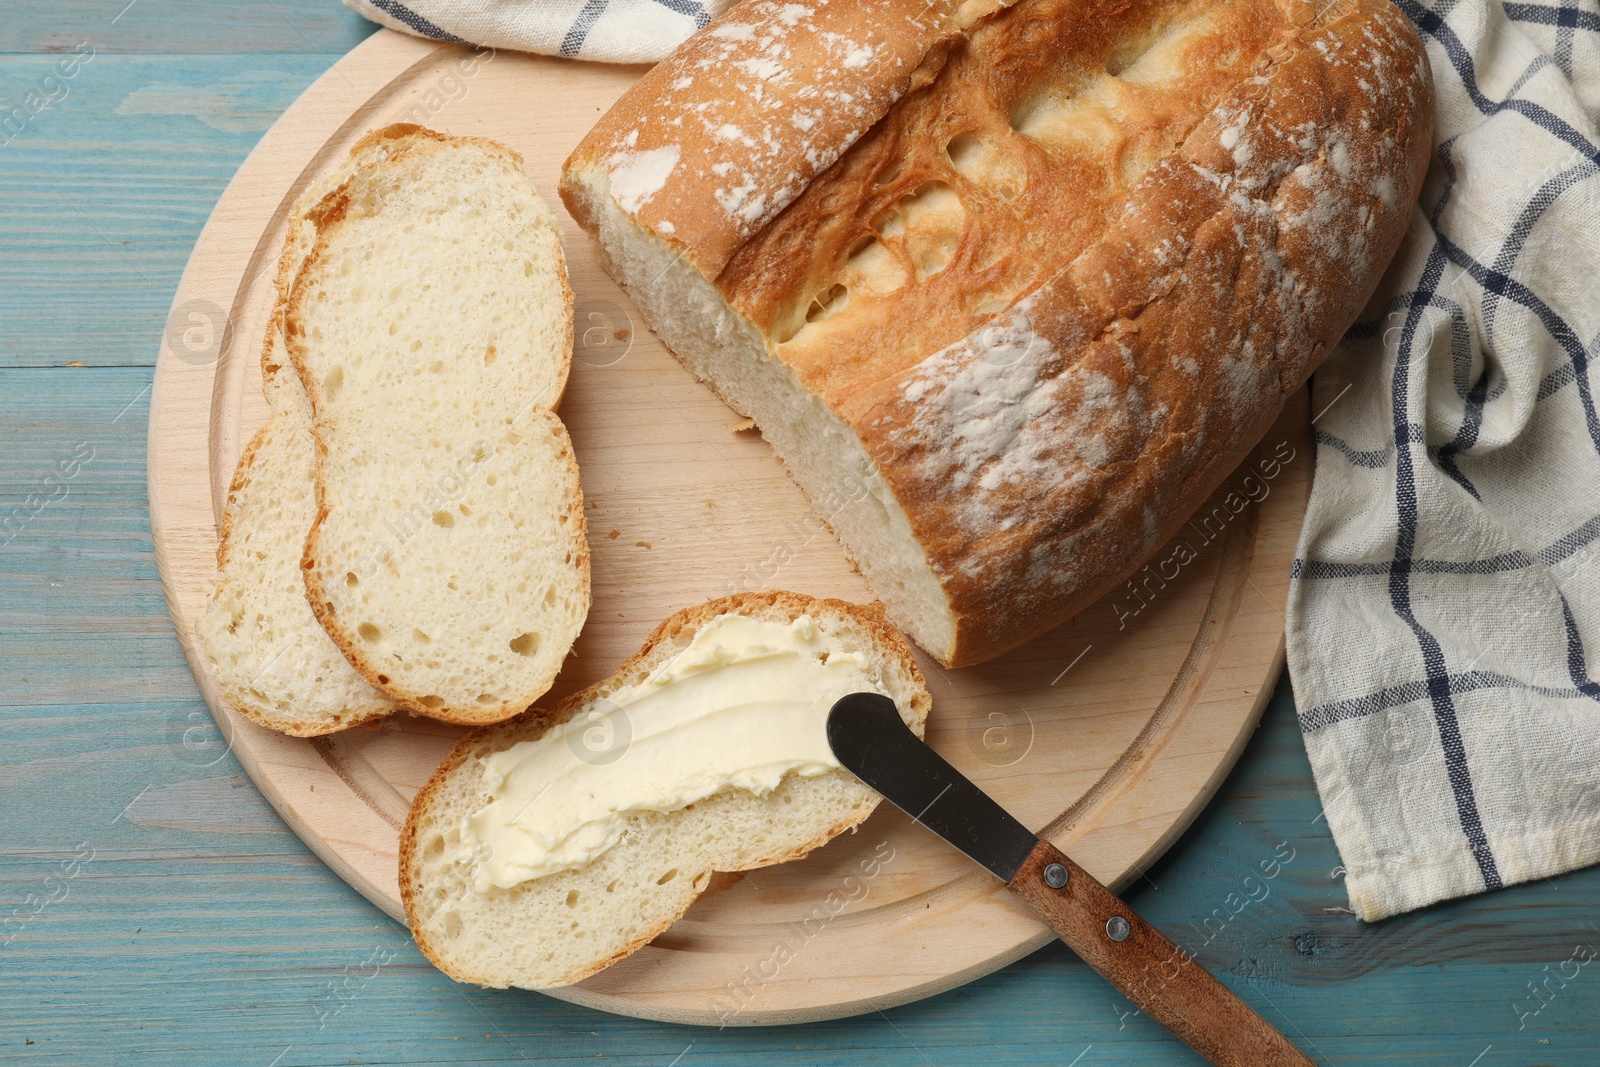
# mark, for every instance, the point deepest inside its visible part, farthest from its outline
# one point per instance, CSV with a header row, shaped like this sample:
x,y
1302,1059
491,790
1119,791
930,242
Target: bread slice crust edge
x,y
867,621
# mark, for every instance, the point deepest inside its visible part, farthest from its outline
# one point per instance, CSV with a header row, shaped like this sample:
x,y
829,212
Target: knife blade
x,y
871,740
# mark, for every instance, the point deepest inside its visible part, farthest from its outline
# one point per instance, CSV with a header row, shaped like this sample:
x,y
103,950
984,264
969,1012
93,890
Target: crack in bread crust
x,y
1061,280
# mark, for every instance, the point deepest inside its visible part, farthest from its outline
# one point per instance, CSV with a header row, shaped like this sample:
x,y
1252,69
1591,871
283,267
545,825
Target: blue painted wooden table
x,y
154,909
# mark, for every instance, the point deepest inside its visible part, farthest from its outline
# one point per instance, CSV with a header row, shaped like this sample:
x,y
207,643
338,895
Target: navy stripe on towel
x,y
1438,680
396,10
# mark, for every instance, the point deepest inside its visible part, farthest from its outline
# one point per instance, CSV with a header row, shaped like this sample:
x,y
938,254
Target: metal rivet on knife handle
x,y
1117,928
1055,876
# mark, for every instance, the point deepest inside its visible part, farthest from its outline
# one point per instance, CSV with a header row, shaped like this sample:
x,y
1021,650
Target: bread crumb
x,y
74,363
641,544
614,534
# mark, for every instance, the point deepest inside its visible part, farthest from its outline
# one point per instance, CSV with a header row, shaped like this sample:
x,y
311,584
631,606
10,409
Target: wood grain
x,y
1115,760
206,26
1145,966
204,932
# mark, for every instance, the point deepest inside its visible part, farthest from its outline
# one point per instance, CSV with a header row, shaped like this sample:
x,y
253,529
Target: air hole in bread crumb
x,y
873,267
350,579
1126,53
369,632
431,701
444,518
966,151
383,679
436,366
434,848
825,303
489,356
451,922
332,383
980,162
464,510
487,698
890,173
931,218
611,887
550,597
525,644
573,896
420,637
669,876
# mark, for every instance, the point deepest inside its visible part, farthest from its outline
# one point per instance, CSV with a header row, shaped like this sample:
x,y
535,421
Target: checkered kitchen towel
x,y
608,31
1444,622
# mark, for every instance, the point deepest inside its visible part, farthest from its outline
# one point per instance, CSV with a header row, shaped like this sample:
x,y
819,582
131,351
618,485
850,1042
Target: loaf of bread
x,y
273,661
564,926
1038,275
431,326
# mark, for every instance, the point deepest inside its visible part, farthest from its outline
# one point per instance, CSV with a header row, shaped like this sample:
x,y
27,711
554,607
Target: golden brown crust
x,y
1247,254
1064,283
241,478
753,107
687,621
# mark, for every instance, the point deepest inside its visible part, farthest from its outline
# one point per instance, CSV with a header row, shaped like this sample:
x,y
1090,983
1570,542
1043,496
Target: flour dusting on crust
x,y
637,176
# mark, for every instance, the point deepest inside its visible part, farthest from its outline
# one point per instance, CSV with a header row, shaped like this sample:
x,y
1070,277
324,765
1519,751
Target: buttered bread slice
x,y
431,327
553,845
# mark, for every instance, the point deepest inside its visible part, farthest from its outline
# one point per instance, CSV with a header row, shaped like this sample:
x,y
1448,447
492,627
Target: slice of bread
x,y
563,927
275,663
431,325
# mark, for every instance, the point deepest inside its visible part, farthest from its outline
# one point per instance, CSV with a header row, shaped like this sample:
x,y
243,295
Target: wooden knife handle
x,y
1164,981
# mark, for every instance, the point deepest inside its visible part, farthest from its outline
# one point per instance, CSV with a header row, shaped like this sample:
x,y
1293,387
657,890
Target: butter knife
x,y
869,738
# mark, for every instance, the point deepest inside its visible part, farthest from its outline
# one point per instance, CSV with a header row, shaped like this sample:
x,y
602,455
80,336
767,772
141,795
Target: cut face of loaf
x,y
431,327
1038,276
273,660
563,927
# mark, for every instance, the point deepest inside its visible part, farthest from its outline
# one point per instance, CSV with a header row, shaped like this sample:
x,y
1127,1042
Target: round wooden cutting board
x,y
1108,735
